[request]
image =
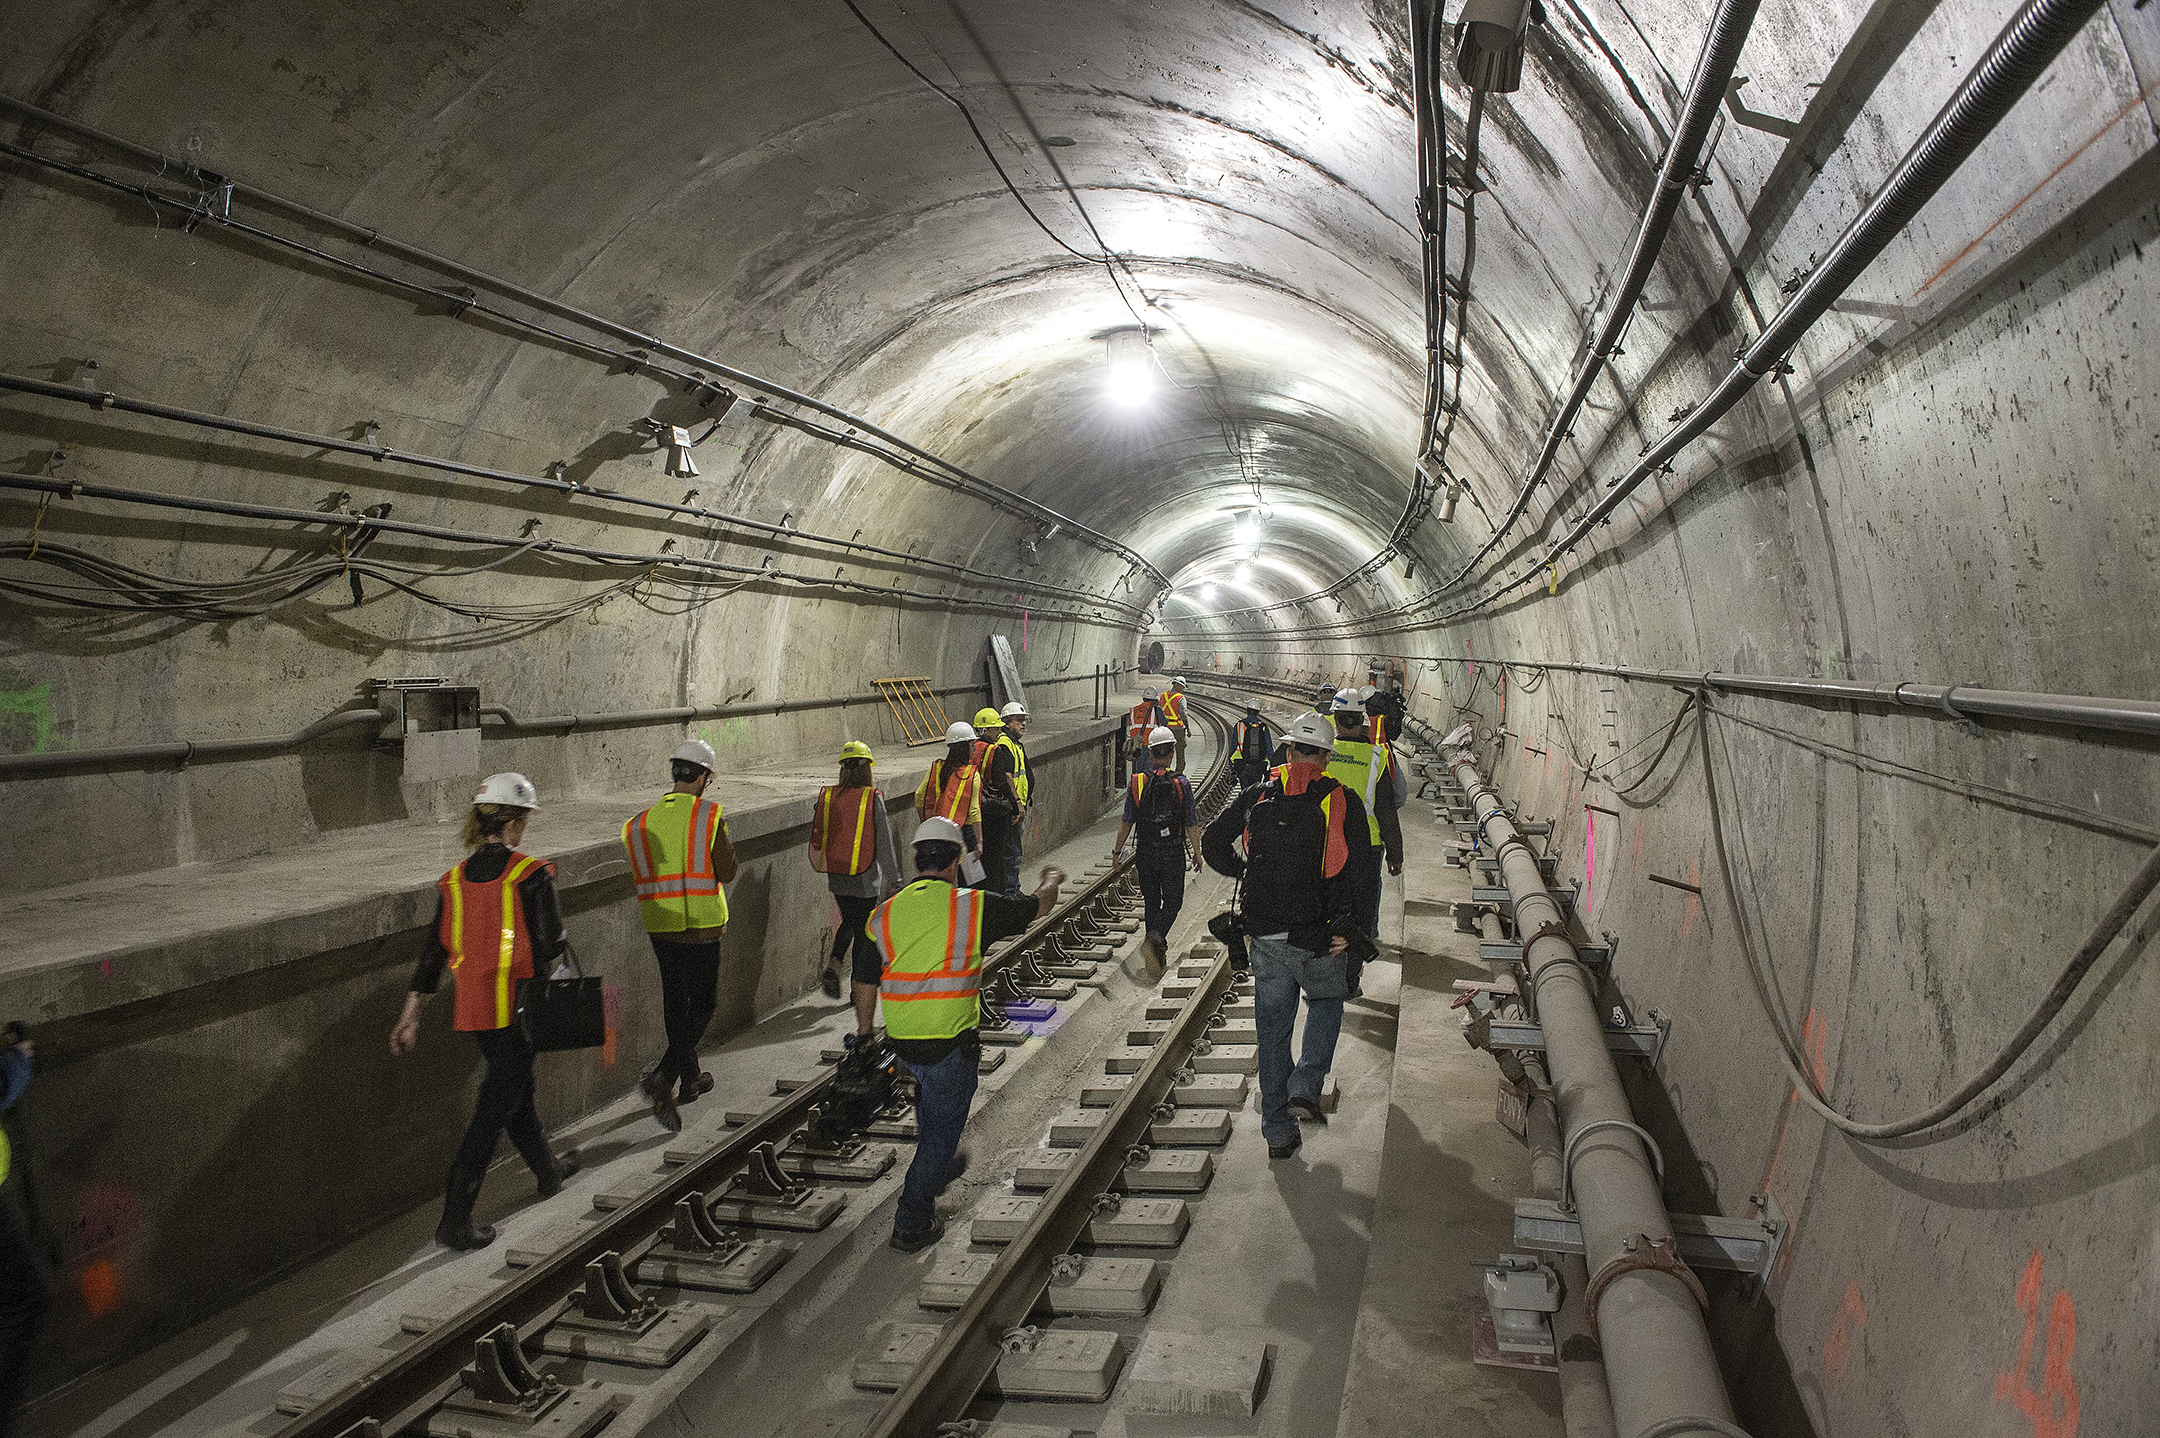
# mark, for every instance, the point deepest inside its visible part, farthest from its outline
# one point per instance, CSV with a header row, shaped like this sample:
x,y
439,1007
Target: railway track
x,y
473,1372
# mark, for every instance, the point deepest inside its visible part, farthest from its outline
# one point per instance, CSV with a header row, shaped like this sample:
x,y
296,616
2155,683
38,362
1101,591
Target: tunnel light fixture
x,y
1128,369
1448,498
1489,43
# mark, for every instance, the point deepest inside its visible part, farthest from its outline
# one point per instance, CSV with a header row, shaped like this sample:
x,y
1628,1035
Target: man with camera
x,y
26,1292
1305,843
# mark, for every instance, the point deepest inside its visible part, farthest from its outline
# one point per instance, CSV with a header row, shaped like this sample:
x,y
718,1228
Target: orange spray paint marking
x,y
1837,1348
100,1288
2053,1408
611,1007
1813,1046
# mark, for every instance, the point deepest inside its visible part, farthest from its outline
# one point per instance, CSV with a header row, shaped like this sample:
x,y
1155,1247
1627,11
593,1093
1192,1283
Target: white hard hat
x,y
1014,710
1178,683
935,830
1312,731
696,751
961,732
1348,702
1367,692
1159,736
515,790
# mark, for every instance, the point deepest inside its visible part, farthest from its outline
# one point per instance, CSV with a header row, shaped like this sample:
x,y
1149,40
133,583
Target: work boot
x,y
917,1242
829,983
956,1172
660,1088
687,1090
457,1230
548,1168
560,1167
1307,1109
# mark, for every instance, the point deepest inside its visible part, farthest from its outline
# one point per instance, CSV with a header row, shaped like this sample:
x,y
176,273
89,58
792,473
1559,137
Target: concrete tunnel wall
x,y
1955,485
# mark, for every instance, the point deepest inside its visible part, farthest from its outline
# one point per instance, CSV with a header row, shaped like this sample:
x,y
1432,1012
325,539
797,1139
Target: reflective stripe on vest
x,y
930,937
1359,765
671,863
1173,708
483,924
1293,779
1140,720
1247,731
1019,761
840,838
3,1156
957,798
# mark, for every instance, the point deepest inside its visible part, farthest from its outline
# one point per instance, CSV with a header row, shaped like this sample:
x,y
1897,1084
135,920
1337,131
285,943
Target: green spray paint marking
x,y
734,731
36,705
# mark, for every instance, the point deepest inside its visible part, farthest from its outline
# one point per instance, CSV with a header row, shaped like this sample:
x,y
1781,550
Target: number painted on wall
x,y
2053,1406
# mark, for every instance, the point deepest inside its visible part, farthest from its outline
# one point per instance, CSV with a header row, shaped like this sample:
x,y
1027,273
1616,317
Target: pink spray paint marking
x,y
1589,863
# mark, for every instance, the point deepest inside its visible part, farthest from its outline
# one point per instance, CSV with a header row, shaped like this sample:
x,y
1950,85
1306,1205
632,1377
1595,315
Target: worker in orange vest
x,y
952,789
851,844
1140,721
1172,703
497,923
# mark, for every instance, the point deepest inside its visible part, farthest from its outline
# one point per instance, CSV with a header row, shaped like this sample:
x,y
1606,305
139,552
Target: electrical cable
x,y
2104,932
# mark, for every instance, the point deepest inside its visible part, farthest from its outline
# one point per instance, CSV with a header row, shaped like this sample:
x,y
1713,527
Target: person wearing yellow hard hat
x,y
851,844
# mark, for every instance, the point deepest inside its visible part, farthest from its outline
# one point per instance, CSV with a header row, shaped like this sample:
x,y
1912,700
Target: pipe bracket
x,y
1567,1162
1642,1253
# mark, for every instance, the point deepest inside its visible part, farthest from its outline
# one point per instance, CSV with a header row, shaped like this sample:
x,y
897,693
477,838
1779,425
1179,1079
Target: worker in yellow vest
x,y
930,937
497,924
1172,703
1007,776
26,1289
681,859
851,844
952,789
1368,770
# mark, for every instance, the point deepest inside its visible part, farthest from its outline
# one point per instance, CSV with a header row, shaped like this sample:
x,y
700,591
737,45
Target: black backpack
x,y
1286,859
1161,811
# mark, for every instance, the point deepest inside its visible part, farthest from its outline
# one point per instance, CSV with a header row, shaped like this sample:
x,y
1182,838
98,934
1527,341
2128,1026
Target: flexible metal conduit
x,y
364,523
2004,73
256,429
376,239
1658,1361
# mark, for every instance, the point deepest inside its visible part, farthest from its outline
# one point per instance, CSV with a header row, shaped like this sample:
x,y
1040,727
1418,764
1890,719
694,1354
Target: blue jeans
x,y
943,1091
1162,884
1281,971
1011,877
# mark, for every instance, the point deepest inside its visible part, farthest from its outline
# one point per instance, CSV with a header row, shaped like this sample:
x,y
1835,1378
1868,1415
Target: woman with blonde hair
x,y
497,923
851,844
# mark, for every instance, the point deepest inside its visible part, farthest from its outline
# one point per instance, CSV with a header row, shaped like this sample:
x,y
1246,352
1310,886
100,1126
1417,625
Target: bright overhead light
x,y
1207,593
1128,369
1244,570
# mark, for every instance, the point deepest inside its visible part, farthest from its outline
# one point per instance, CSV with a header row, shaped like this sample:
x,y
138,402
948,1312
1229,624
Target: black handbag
x,y
568,1013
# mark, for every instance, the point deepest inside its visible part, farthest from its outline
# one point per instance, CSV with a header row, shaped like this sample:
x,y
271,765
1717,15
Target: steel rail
x,y
947,1380
400,1390
373,238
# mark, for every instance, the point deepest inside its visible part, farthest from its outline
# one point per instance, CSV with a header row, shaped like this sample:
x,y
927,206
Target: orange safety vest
x,y
958,794
979,756
1140,721
483,927
1293,779
840,838
1173,708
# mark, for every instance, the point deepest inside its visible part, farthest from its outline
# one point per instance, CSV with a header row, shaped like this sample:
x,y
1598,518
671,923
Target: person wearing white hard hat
x,y
931,936
1369,768
952,789
681,860
851,844
1296,845
1172,703
1160,805
497,923
1007,776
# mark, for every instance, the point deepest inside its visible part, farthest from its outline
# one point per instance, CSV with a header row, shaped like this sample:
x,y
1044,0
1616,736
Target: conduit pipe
x,y
257,429
1585,1396
2026,47
376,239
1659,1364
186,751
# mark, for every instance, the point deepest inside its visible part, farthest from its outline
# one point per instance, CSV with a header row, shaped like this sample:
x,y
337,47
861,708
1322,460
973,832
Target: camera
x,y
1227,927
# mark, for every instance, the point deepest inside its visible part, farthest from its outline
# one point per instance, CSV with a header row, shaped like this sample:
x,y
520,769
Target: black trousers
x,y
506,1102
26,1297
868,965
996,834
689,992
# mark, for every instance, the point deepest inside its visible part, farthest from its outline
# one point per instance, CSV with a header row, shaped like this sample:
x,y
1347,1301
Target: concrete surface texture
x,y
1952,486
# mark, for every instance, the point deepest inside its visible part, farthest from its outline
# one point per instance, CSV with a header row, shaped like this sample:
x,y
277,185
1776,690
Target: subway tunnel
x,y
1724,423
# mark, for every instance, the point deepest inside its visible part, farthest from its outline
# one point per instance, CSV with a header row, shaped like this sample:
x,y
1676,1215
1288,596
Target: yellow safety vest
x,y
1357,766
3,1155
671,859
1019,773
930,934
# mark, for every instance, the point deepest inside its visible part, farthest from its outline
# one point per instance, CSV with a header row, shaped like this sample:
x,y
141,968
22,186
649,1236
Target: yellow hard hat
x,y
856,749
987,718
